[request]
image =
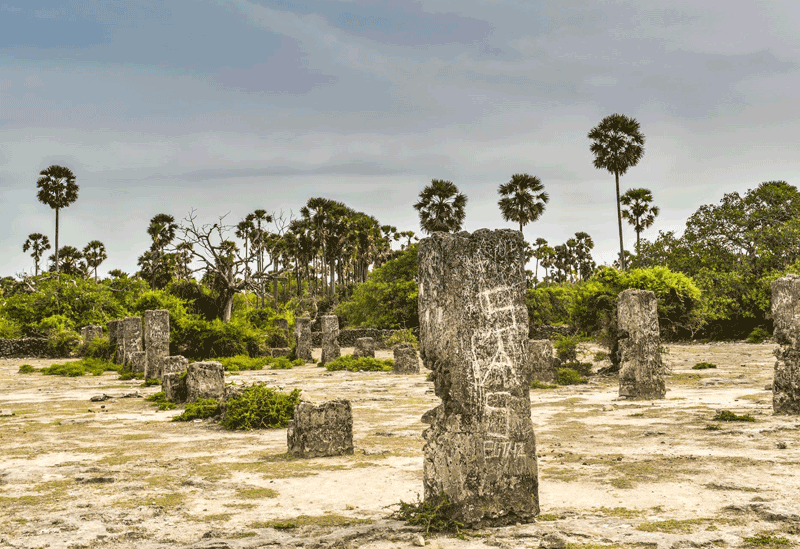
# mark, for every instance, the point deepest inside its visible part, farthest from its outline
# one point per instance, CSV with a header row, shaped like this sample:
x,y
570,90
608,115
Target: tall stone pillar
x,y
302,334
786,318
542,360
330,341
641,375
131,337
480,449
156,341
115,340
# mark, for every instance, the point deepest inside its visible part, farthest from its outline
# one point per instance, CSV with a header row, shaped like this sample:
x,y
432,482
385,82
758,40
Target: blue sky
x,y
226,106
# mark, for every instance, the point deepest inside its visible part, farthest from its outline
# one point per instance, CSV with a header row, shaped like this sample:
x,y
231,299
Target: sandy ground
x,y
613,473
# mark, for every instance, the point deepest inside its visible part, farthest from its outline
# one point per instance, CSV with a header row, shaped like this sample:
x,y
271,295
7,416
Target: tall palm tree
x,y
639,213
523,199
162,232
540,244
617,145
441,207
69,261
94,253
583,255
39,243
57,189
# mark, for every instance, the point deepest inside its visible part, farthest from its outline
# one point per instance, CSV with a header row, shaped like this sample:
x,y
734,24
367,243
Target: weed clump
x,y
536,384
27,369
766,540
402,336
99,347
160,400
434,517
725,415
365,364
568,376
704,366
244,362
712,427
201,408
151,382
758,335
260,407
94,366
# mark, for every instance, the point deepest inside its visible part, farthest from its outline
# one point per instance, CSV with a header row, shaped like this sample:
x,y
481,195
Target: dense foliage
x,y
260,407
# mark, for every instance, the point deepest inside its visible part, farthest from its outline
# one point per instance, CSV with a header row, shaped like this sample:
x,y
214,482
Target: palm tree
x,y
639,212
69,261
618,145
57,189
39,243
441,207
523,199
162,232
94,253
583,255
540,244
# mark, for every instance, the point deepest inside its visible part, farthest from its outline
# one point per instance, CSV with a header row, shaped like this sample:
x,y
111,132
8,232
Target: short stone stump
x,y
276,352
365,346
174,386
406,360
321,430
205,380
138,362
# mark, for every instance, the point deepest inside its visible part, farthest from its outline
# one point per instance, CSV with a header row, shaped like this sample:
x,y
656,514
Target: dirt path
x,y
613,473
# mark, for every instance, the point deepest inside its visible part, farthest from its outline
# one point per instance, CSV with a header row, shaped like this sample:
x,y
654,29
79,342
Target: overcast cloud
x,y
232,105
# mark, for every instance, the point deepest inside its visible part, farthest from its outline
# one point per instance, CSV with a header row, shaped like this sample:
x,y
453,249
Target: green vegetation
x,y
672,526
160,400
766,540
200,409
94,366
758,335
244,362
99,347
712,427
545,517
363,364
568,376
704,366
323,521
600,356
434,517
151,382
536,384
402,336
260,407
27,369
725,415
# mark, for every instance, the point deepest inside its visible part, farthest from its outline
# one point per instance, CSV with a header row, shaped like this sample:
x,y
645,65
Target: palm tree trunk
x,y
57,268
619,222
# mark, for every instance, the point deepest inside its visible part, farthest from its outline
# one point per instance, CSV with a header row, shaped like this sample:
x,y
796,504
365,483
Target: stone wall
x,y
26,347
348,337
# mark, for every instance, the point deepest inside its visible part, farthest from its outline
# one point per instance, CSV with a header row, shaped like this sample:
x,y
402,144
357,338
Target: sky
x,y
224,106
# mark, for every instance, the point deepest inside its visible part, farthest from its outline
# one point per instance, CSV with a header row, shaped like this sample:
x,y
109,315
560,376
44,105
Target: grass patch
x,y
568,376
712,427
434,517
201,408
27,369
160,400
620,512
704,366
766,540
151,382
260,407
256,493
544,517
243,362
125,375
672,526
363,364
536,384
600,356
726,415
328,520
94,366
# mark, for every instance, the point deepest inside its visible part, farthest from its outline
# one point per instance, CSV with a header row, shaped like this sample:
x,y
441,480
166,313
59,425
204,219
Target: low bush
x,y
244,362
402,336
27,369
151,382
568,376
704,366
567,347
434,517
125,375
363,364
160,400
94,366
201,408
726,415
536,384
99,347
260,407
758,335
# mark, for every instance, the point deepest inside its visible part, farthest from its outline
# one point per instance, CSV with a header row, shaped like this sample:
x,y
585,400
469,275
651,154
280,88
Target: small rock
x,y
419,541
99,398
781,445
553,541
768,387
134,394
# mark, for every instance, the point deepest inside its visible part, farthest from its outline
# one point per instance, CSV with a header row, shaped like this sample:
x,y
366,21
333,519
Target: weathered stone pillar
x,y
406,360
131,337
324,430
205,380
156,340
115,340
174,364
786,318
480,449
330,342
89,333
365,346
641,374
138,362
302,334
541,359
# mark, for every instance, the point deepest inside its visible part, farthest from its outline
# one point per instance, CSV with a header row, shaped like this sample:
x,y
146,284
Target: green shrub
x,y
758,335
402,336
766,540
99,347
283,363
9,329
27,369
704,366
260,407
433,516
201,408
583,368
725,415
243,362
160,400
363,364
203,339
567,347
550,305
600,356
568,376
151,382
536,384
94,366
125,375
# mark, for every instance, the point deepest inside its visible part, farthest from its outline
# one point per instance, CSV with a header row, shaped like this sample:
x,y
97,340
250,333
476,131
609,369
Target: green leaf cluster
x,y
363,364
94,366
201,408
244,362
260,407
568,376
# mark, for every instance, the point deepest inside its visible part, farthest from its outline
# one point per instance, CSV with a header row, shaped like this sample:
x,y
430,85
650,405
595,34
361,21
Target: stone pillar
x,y
174,386
324,430
365,346
91,332
786,318
174,364
302,334
138,362
131,337
115,340
541,359
480,449
330,342
406,360
205,380
156,340
641,373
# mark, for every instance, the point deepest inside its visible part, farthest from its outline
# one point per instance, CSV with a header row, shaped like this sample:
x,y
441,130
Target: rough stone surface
x,y
204,380
330,343
480,449
174,386
302,334
156,340
115,339
365,346
138,362
542,359
786,318
641,374
347,336
276,352
321,430
26,347
174,364
283,324
406,359
131,337
89,333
